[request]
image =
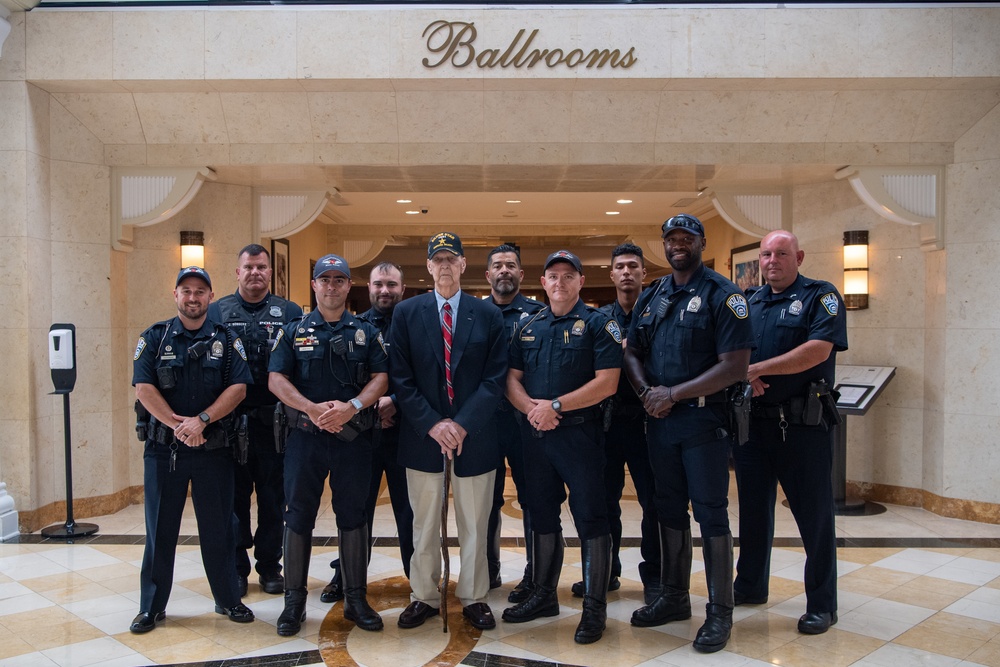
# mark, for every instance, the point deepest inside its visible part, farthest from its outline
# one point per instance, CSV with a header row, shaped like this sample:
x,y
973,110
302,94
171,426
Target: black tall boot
x,y
296,553
334,590
674,601
547,560
493,551
596,561
522,591
354,566
714,634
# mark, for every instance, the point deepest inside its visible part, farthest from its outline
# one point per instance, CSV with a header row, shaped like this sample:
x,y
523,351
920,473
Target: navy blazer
x,y
479,377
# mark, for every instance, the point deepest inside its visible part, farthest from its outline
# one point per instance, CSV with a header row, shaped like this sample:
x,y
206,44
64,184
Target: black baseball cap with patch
x,y
564,256
331,263
193,271
445,241
686,222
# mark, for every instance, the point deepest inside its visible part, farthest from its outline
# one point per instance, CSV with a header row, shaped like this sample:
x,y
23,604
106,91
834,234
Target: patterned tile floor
x,y
915,589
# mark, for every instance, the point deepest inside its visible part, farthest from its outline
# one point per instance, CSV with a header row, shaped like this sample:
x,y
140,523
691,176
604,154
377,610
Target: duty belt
x,y
775,411
262,413
702,401
580,416
160,433
363,421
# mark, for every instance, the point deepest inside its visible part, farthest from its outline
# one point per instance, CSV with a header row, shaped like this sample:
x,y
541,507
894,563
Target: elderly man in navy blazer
x,y
448,367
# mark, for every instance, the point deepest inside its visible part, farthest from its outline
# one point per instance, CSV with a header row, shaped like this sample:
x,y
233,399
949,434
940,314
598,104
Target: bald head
x,y
780,259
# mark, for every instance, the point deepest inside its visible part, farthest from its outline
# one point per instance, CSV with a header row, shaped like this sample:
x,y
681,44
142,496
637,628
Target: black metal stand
x,y
71,529
845,506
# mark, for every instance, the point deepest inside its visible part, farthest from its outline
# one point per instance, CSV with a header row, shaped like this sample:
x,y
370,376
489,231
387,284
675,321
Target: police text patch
x,y
612,328
738,304
238,346
277,339
830,302
139,348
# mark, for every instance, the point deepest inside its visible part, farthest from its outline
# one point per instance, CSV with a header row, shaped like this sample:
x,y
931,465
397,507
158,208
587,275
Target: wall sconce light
x,y
192,249
856,270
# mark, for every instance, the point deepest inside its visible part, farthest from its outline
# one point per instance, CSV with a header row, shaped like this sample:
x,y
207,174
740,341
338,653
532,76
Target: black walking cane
x,y
444,541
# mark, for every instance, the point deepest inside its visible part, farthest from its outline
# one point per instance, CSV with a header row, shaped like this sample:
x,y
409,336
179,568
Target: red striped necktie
x,y
446,330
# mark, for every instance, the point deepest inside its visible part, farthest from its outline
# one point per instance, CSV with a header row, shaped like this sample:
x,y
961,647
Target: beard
x,y
505,286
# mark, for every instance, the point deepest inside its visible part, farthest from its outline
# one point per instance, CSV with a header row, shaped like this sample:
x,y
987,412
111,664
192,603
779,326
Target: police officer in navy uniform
x,y
690,340
385,290
189,373
257,316
625,439
504,273
564,361
799,326
328,370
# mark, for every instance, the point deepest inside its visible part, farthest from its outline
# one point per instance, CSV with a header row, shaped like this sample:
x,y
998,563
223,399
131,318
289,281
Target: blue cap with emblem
x,y
564,256
445,241
685,222
196,272
332,263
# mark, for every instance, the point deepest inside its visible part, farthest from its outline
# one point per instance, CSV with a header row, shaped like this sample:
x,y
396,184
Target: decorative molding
x,y
953,508
358,252
755,212
143,196
907,195
4,33
281,213
652,251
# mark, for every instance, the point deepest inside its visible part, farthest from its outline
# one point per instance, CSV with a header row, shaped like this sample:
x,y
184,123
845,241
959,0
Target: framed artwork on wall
x,y
280,266
745,263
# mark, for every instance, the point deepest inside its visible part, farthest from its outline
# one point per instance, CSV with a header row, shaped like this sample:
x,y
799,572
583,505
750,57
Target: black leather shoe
x,y
241,583
146,621
739,598
415,614
613,585
480,615
333,591
272,583
495,582
817,622
522,591
238,614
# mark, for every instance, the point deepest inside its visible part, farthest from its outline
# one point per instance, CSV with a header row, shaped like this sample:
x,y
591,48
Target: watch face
x,y
204,417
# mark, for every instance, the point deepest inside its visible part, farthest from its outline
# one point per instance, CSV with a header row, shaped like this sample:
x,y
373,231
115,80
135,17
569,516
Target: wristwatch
x,y
643,390
358,405
557,406
204,417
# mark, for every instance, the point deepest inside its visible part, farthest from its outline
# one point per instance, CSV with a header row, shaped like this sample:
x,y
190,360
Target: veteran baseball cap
x,y
445,241
564,256
195,271
686,222
332,263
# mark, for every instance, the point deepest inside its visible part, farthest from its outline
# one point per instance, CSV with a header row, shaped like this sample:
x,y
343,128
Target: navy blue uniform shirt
x,y
701,320
198,383
807,310
515,312
626,394
561,353
304,352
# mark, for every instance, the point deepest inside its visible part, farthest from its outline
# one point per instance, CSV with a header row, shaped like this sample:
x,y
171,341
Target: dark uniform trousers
x,y
626,444
572,456
385,458
309,458
210,474
802,463
263,472
690,460
509,426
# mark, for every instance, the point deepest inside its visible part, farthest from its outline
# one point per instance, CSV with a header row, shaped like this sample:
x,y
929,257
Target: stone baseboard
x,y
32,520
952,508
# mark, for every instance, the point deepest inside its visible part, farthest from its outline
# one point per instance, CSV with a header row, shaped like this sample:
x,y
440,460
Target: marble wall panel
x,y
781,153
982,141
69,45
972,203
694,39
81,203
624,117
450,117
12,57
16,462
899,347
611,153
793,116
39,287
273,154
92,454
971,265
159,45
186,155
250,44
125,155
13,115
80,279
932,153
527,153
972,457
13,177
973,379
874,115
527,116
375,154
37,126
905,42
111,117
14,396
814,43
319,57
941,120
443,153
866,153
70,139
375,117
701,116
976,50
935,372
182,118
895,284
267,118
697,153
897,446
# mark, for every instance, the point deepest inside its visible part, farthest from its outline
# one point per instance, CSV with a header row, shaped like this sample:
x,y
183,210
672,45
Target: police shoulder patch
x,y
277,339
139,348
738,304
238,346
830,302
612,328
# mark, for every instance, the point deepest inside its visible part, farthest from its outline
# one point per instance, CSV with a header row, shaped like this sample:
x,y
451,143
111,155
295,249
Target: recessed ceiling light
x,y
624,201
604,266
513,201
413,213
611,212
403,201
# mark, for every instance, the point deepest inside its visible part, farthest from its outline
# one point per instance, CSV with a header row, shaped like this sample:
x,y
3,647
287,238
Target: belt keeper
x,y
701,401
